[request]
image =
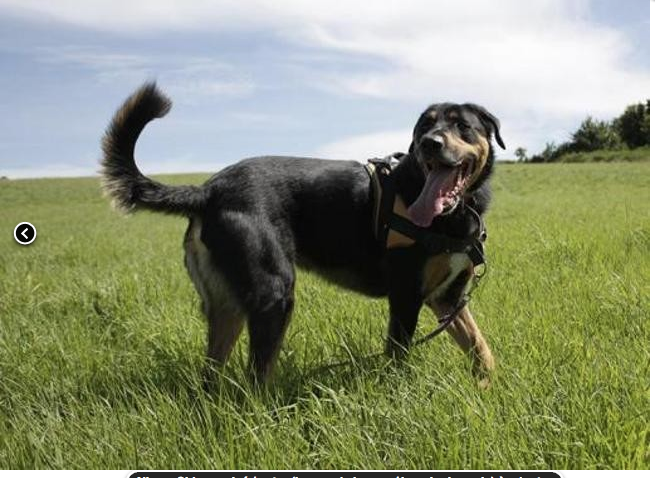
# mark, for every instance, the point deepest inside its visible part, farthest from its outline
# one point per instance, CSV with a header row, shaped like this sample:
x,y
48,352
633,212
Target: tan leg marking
x,y
225,326
436,270
467,335
224,315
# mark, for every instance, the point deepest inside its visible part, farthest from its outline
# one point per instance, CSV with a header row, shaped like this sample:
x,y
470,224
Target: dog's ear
x,y
489,121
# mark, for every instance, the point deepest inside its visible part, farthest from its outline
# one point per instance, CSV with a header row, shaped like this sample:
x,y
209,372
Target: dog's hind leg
x,y
225,317
256,261
270,303
267,327
225,325
467,335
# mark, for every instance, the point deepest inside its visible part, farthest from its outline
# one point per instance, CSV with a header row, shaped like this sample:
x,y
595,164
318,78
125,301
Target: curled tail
x,y
121,179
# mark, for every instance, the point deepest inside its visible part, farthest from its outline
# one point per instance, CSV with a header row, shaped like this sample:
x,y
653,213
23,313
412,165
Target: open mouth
x,y
443,188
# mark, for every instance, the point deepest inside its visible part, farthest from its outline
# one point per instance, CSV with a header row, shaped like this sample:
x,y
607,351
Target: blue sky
x,y
340,79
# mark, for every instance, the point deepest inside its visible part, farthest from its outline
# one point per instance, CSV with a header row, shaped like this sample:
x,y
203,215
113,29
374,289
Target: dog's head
x,y
452,148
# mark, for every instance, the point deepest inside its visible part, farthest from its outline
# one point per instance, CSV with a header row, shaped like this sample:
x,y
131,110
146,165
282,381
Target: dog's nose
x,y
432,145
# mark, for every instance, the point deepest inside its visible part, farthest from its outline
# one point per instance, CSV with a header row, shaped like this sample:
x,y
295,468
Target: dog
x,y
254,221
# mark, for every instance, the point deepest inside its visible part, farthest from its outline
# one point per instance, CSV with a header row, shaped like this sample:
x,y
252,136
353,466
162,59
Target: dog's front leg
x,y
468,336
402,324
405,300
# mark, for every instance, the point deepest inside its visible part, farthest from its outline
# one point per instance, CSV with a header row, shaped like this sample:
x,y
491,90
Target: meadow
x,y
102,345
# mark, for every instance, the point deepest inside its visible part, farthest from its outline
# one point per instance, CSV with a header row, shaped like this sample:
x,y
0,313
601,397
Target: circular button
x,y
24,233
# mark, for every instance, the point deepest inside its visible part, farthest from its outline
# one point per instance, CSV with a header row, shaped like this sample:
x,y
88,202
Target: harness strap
x,y
377,193
385,219
379,169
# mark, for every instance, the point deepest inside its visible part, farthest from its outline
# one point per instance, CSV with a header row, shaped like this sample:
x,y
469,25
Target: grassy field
x,y
102,343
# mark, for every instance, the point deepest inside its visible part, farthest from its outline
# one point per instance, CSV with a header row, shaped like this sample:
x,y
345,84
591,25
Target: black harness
x,y
385,219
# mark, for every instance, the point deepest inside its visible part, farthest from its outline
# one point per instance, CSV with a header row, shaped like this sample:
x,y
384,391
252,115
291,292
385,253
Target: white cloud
x,y
185,77
366,146
139,16
542,59
512,56
543,54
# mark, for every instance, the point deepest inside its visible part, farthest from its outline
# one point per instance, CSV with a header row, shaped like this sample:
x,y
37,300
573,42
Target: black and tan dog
x,y
251,223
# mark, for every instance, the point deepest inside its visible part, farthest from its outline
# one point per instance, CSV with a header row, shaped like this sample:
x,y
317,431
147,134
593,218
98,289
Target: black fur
x,y
262,216
122,180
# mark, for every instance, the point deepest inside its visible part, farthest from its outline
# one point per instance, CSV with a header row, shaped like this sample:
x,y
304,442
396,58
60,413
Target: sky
x,y
335,79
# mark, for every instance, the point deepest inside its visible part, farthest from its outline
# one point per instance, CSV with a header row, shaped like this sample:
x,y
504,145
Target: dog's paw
x,y
484,383
395,351
483,367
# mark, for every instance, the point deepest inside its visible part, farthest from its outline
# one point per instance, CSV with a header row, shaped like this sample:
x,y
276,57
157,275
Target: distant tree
x,y
593,135
548,154
521,154
633,126
631,129
551,152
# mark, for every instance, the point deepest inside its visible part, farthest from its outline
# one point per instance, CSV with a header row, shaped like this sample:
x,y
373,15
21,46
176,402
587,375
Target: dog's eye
x,y
426,126
463,126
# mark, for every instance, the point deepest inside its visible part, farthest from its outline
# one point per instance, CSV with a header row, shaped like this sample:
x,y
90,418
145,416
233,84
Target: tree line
x,y
630,130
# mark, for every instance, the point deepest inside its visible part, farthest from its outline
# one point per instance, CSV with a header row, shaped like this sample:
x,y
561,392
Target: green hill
x,y
608,156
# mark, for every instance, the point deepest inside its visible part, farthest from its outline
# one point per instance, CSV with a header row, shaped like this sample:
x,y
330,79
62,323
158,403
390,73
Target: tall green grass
x,y
102,345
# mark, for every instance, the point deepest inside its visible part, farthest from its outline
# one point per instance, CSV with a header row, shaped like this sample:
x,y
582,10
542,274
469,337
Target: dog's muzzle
x,y
434,152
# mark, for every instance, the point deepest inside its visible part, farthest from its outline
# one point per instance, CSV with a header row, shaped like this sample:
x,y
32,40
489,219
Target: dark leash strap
x,y
444,322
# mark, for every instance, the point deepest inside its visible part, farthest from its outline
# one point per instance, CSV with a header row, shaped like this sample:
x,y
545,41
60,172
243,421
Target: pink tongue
x,y
432,200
